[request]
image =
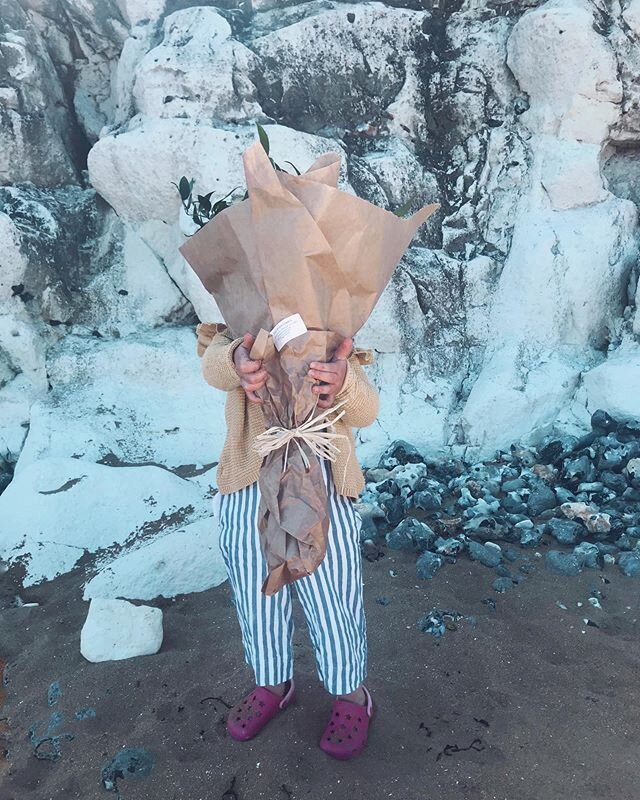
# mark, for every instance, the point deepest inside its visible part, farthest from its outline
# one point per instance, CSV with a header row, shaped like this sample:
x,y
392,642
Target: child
x,y
331,596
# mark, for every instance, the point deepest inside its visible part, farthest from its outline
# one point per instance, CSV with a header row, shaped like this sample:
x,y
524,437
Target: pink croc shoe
x,y
348,728
251,714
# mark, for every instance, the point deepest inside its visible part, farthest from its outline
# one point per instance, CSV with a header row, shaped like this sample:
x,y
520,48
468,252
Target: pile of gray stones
x,y
576,499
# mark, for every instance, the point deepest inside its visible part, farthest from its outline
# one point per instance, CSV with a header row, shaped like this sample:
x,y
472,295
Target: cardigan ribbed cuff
x,y
229,362
347,386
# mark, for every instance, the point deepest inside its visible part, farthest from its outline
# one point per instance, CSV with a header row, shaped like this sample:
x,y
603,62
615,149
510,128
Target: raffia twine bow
x,y
316,432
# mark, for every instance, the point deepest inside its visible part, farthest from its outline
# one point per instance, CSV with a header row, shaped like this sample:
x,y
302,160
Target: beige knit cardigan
x,y
239,464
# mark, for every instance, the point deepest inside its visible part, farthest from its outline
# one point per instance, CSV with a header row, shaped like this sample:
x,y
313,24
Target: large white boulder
x,y
339,66
186,559
198,70
614,385
57,509
68,264
560,294
568,70
517,397
135,400
564,281
116,629
157,152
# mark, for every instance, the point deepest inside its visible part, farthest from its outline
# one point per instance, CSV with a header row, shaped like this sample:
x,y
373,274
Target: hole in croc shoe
x,y
243,725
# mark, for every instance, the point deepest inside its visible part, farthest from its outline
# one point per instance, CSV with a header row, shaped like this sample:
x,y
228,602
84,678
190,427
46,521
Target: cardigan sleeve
x,y
362,399
217,365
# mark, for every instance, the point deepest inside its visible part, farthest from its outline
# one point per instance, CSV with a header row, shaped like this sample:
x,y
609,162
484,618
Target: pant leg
x,y
266,623
332,599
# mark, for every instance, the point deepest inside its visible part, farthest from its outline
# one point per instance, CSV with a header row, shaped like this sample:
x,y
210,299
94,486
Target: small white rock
x,y
117,629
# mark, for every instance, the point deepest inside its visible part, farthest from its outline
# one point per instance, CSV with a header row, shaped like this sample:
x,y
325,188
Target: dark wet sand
x,y
551,706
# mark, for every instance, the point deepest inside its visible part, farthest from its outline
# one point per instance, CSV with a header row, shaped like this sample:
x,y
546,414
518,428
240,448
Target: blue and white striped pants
x,y
331,596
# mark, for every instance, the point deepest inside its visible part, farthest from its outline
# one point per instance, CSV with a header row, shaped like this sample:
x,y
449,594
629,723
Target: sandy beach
x,y
518,700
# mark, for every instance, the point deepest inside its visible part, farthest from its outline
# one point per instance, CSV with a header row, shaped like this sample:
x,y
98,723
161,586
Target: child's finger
x,y
257,377
328,379
253,385
323,366
343,350
248,366
327,402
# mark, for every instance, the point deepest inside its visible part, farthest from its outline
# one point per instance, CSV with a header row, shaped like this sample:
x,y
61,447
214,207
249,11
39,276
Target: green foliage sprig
x,y
201,209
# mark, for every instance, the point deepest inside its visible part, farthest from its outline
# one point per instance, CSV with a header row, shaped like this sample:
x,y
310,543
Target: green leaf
x,y
230,191
205,204
264,139
220,206
184,188
294,166
400,212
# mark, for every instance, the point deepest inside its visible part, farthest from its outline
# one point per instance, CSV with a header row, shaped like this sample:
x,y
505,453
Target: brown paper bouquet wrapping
x,y
297,245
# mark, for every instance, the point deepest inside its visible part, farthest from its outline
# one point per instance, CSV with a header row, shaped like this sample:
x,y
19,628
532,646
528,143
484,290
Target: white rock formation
x,y
185,560
574,90
120,455
36,135
338,66
198,71
116,629
563,284
514,314
57,509
159,152
614,384
631,15
131,400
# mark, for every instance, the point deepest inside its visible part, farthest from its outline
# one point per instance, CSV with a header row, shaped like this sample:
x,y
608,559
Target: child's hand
x,y
251,373
331,373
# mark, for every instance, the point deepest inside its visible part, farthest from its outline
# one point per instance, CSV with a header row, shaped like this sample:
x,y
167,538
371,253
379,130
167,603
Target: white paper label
x,y
287,329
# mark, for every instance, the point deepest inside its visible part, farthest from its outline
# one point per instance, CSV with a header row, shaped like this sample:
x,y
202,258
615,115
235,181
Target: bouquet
x,y
299,264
